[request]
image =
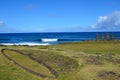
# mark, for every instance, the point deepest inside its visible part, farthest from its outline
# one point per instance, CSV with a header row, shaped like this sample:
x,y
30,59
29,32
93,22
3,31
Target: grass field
x,y
71,61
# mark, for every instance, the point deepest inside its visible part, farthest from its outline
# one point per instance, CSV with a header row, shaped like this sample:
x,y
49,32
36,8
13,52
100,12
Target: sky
x,y
18,16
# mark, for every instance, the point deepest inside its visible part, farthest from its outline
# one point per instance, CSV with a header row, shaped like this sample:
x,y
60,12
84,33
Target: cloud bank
x,y
109,22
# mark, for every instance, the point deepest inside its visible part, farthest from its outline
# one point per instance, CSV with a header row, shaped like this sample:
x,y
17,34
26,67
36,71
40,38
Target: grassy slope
x,y
82,52
108,52
9,71
91,47
28,63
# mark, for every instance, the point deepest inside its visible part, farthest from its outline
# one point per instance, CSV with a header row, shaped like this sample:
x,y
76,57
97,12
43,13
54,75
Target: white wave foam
x,y
25,43
49,40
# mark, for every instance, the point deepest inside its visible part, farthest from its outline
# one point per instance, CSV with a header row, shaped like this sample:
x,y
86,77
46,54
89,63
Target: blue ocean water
x,y
49,38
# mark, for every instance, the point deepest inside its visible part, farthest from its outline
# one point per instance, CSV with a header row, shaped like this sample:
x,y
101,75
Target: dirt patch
x,y
108,55
59,63
115,61
108,75
111,58
97,60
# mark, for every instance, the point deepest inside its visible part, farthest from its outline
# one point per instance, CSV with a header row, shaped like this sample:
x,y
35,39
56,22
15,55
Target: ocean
x,y
49,38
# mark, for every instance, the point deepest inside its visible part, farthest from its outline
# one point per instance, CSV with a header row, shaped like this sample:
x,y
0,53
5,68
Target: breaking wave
x,y
25,43
49,40
59,39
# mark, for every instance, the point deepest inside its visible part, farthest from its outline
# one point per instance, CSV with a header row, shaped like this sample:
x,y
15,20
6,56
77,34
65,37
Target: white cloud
x,y
110,22
1,23
102,18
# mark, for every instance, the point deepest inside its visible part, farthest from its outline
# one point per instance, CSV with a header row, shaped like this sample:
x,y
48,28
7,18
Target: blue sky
x,y
59,15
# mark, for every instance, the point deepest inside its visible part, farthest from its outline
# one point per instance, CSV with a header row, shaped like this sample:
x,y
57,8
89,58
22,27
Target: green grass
x,y
91,47
28,63
9,71
58,62
94,59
